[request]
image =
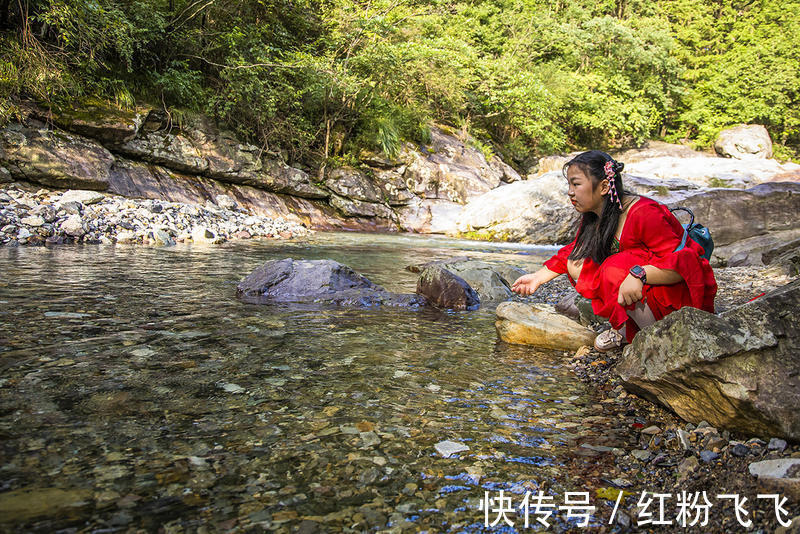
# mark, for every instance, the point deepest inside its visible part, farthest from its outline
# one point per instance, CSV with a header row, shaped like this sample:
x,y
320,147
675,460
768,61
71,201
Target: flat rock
x,y
539,325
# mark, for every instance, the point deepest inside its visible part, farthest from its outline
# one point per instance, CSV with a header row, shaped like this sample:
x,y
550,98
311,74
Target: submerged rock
x,y
737,370
540,326
444,289
322,281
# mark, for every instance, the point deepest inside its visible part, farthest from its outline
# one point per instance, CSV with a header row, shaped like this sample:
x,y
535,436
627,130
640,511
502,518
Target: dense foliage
x,y
327,78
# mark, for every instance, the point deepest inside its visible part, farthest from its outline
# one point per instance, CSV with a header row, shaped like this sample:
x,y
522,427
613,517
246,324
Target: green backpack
x,y
698,233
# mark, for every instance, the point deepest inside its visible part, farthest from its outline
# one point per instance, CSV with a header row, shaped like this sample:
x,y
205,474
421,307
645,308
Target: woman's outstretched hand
x,y
527,284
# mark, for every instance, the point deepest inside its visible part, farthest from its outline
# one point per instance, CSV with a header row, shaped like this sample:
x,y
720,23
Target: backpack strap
x,y
685,226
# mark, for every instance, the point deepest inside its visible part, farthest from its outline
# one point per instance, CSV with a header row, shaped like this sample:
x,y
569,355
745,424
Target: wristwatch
x,y
639,272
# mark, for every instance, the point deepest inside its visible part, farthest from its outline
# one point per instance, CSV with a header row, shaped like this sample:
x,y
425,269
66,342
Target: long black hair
x,y
596,235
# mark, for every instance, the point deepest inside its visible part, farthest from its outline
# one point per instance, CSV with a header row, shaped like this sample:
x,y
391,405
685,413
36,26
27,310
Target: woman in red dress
x,y
623,257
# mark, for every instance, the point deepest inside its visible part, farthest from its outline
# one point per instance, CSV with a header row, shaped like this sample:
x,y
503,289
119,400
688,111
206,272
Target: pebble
x,y
448,448
740,450
708,456
641,455
776,444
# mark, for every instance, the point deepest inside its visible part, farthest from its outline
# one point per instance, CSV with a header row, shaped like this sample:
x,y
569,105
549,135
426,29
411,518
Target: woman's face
x,y
582,193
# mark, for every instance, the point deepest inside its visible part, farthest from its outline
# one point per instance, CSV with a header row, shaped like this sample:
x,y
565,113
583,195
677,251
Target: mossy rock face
x,y
101,120
54,158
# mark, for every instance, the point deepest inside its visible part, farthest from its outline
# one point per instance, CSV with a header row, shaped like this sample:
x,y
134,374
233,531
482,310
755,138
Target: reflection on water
x,y
137,391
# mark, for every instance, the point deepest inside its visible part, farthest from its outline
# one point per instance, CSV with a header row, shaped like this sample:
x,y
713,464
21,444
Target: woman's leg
x,y
642,315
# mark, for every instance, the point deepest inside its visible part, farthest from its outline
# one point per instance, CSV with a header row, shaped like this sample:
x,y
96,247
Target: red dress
x,y
650,235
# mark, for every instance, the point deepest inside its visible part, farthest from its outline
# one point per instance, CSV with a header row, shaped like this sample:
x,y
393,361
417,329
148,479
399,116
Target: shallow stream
x,y
138,392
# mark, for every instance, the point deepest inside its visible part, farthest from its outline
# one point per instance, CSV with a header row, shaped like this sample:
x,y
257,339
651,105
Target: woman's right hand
x,y
527,284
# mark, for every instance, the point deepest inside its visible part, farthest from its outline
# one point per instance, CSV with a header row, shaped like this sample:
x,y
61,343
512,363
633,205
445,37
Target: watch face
x,y
637,271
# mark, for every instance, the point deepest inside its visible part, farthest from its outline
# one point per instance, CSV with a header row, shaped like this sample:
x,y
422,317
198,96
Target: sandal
x,y
609,339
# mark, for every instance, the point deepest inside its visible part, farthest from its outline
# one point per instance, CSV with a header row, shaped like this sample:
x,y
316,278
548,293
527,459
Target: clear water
x,y
137,392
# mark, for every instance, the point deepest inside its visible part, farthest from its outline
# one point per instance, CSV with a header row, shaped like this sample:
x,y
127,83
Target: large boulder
x,y
491,282
533,211
745,141
318,281
54,158
444,289
739,370
228,159
540,326
429,216
732,215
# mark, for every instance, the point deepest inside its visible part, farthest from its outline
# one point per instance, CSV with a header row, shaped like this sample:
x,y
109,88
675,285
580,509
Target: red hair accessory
x,y
610,173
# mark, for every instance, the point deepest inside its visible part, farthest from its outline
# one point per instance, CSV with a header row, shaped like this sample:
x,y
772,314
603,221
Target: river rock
x,y
444,289
745,141
322,281
84,197
353,184
737,370
33,220
54,157
540,326
73,226
225,202
533,211
5,175
491,282
202,234
30,502
160,237
756,250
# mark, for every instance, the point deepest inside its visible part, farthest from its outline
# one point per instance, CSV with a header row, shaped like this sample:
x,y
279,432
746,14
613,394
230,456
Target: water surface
x,y
137,392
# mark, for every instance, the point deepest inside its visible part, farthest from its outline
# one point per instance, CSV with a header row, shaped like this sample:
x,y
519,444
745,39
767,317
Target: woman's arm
x,y
527,284
630,291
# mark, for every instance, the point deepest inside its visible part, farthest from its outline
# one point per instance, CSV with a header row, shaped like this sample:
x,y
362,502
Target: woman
x,y
623,257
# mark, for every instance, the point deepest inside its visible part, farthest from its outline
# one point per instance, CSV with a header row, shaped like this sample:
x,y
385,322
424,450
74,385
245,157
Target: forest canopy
x,y
326,79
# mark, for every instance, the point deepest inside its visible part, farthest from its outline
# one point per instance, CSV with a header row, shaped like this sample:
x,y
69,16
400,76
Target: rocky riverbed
x,y
37,216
